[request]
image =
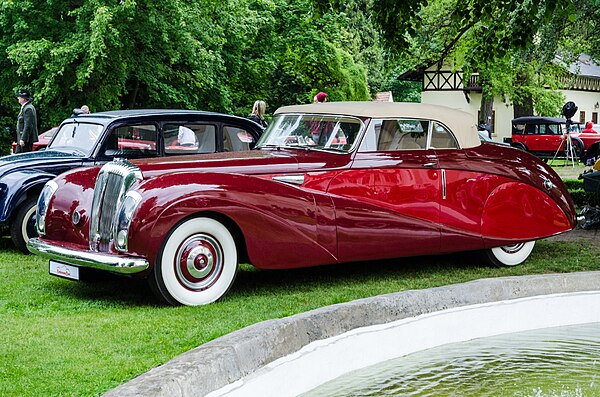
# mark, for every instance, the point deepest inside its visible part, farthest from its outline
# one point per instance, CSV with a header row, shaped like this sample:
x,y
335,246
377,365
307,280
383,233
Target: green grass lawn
x,y
62,338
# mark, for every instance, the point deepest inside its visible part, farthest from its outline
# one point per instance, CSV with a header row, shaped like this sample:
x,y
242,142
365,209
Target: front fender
x,y
282,225
516,211
15,187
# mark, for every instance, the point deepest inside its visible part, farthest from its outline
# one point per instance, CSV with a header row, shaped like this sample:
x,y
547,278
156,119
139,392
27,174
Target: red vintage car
x,y
546,137
329,183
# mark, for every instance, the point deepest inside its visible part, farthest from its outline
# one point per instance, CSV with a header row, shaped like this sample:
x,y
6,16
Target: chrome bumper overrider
x,y
95,260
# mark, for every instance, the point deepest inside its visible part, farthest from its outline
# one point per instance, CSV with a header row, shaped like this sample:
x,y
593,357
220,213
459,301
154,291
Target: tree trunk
x,y
523,109
486,108
486,111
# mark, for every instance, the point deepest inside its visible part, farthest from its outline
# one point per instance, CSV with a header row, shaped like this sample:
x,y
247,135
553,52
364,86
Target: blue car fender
x,y
16,186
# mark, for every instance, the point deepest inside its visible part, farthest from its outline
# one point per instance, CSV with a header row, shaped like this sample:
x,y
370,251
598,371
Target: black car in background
x,y
97,138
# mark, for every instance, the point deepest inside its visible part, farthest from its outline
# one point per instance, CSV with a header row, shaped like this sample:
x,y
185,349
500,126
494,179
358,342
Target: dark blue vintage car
x,y
97,138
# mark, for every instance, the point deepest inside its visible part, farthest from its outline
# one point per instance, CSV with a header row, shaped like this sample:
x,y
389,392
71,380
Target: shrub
x,y
580,197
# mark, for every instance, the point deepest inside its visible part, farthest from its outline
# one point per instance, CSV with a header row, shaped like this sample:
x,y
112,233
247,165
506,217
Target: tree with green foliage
x,y
200,54
512,44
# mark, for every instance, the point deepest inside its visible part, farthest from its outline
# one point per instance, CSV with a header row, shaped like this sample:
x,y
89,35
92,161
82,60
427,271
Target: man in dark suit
x,y
27,131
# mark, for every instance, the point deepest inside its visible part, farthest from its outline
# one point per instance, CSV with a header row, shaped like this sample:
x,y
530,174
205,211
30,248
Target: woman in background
x,y
258,113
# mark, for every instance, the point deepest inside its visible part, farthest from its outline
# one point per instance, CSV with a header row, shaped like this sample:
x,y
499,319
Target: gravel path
x,y
592,236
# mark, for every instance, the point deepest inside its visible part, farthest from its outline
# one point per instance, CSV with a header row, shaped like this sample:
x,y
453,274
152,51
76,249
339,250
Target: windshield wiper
x,y
68,149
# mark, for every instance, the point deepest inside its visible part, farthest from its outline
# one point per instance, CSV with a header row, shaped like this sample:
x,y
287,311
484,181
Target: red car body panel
x,y
514,203
346,210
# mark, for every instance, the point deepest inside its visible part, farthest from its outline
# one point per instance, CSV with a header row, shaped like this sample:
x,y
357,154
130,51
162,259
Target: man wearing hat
x,y
27,131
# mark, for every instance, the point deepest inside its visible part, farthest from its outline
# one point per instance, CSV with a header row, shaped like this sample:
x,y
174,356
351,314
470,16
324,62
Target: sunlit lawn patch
x,y
66,338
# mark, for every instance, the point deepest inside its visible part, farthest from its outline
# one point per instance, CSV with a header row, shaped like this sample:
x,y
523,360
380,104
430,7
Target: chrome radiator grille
x,y
114,180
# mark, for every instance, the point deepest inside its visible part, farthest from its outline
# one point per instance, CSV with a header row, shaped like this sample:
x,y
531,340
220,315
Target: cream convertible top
x,y
460,123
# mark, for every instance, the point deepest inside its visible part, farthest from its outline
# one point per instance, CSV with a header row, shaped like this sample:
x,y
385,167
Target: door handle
x,y
432,164
292,179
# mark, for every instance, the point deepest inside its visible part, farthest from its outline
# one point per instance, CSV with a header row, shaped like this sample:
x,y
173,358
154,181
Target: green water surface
x,y
552,362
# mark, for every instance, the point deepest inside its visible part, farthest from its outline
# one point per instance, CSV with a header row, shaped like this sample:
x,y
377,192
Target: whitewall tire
x,y
197,264
509,255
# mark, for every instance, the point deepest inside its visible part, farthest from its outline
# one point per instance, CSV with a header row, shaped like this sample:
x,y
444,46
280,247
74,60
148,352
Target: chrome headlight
x,y
42,206
123,220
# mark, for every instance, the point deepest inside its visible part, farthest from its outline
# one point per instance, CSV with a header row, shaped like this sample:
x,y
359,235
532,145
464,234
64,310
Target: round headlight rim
x,y
43,203
123,219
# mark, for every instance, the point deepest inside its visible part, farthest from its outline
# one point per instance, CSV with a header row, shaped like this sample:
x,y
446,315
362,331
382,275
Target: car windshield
x,y
76,137
312,131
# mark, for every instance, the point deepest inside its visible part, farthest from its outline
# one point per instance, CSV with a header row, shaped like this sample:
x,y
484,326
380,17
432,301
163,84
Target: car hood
x,y
253,162
42,160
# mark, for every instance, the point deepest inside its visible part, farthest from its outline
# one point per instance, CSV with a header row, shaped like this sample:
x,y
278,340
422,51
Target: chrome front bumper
x,y
94,260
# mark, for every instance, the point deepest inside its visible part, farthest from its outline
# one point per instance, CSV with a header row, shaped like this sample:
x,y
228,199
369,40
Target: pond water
x,y
551,362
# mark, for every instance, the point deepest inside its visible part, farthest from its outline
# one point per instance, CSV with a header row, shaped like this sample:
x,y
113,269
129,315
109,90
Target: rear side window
x,y
407,134
401,134
189,138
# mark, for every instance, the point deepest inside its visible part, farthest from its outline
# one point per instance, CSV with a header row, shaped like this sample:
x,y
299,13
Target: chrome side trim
x,y
94,260
293,179
443,184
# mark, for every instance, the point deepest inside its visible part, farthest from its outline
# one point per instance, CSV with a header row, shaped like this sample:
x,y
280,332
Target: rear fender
x,y
516,211
17,186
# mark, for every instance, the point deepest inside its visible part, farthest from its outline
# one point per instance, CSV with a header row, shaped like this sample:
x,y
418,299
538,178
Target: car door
x,y
130,141
543,137
387,204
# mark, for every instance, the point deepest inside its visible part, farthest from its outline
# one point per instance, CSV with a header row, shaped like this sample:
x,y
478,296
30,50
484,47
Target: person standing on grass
x,y
27,130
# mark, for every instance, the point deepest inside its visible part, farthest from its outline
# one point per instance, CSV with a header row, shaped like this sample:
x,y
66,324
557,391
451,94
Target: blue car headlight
x,y
124,216
42,206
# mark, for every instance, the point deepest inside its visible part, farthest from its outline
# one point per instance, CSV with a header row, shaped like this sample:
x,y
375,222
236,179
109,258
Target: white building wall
x,y
588,102
585,101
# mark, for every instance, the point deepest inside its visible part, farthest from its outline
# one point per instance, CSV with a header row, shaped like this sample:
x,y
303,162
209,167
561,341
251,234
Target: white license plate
x,y
63,270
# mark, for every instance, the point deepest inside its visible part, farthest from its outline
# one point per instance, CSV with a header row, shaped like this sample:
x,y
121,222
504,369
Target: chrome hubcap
x,y
512,248
199,262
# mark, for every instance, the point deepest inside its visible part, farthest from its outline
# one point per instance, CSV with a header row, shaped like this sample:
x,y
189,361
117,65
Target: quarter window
x,y
236,139
187,138
442,138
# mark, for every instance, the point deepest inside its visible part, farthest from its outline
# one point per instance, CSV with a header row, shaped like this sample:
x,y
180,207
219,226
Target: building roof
x,y
583,66
461,123
385,96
